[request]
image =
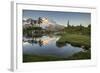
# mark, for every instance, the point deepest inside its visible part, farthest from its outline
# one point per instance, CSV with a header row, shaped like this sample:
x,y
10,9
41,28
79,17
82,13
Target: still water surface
x,y
46,45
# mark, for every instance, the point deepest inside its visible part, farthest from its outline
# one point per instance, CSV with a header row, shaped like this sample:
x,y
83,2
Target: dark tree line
x,y
80,29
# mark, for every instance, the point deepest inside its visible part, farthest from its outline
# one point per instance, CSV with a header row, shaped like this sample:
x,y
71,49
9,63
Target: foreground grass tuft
x,y
80,56
37,58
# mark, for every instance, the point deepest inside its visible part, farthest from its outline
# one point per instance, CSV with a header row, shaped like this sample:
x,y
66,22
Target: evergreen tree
x,y
68,24
80,27
39,20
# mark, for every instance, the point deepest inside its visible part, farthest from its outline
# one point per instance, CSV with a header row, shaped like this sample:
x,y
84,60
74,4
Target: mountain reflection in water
x,y
46,45
41,40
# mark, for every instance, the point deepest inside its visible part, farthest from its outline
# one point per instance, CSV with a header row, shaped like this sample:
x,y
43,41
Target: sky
x,y
62,18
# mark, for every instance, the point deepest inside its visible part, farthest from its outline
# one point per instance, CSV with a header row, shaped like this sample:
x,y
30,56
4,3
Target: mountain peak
x,y
45,23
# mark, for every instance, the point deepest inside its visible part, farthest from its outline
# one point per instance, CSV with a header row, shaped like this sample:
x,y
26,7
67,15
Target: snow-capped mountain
x,y
46,23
